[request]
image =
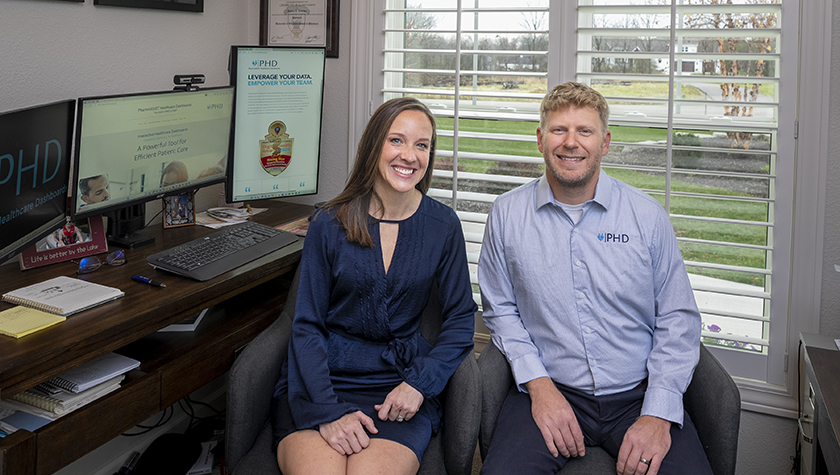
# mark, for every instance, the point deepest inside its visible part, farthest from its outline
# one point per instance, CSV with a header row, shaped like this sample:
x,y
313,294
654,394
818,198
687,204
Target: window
x,y
699,121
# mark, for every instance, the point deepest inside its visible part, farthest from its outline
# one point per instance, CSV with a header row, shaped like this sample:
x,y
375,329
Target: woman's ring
x,y
400,418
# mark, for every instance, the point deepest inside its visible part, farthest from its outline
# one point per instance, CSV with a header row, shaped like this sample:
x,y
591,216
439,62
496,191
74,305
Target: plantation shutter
x,y
693,87
696,126
483,72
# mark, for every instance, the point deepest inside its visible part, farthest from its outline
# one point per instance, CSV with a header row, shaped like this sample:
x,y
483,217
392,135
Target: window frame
x,y
806,206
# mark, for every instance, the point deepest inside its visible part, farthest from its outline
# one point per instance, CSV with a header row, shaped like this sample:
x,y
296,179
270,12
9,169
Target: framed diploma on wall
x,y
300,23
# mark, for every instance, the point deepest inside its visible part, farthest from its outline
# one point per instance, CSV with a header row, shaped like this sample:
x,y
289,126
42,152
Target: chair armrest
x,y
496,381
714,404
461,417
251,383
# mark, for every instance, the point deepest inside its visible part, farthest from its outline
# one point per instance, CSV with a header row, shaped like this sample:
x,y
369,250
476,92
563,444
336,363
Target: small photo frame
x,y
179,210
74,240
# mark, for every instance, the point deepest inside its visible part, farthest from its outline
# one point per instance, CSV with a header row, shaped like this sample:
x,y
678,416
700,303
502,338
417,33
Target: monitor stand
x,y
124,224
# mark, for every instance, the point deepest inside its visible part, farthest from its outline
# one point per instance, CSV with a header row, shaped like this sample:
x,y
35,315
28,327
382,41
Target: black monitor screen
x,y
35,145
277,122
137,147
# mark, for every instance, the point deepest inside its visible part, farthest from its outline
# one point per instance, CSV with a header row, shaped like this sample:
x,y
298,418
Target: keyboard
x,y
224,250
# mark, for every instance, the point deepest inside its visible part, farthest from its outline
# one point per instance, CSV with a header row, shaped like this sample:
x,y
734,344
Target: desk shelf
x,y
173,364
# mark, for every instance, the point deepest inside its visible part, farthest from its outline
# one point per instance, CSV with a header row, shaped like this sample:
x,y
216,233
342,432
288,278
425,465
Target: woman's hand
x,y
403,401
347,435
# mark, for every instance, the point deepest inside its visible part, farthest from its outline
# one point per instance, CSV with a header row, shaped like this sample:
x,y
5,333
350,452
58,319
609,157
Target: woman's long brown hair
x,y
353,204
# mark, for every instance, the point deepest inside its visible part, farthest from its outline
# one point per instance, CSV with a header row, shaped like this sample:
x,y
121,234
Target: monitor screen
x,y
35,145
277,122
137,147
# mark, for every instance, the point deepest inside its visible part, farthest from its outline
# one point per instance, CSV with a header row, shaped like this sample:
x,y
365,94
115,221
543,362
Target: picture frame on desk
x,y
74,240
296,23
179,210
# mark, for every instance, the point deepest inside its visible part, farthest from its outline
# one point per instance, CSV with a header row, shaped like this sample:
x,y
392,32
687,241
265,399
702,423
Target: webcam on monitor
x,y
188,82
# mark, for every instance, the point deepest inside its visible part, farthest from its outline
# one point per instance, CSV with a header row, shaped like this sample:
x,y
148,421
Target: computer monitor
x,y
35,146
133,148
276,142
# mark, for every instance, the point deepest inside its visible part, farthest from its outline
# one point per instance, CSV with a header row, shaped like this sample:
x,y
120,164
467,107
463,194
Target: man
x,y
95,189
585,292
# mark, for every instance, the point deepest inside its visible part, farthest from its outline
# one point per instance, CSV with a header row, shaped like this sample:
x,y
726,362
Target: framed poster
x,y
182,5
71,241
300,23
178,210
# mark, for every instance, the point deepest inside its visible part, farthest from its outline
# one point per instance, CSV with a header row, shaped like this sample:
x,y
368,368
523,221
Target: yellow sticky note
x,y
21,321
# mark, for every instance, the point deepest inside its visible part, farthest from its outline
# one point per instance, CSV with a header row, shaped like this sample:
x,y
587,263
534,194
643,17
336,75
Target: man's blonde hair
x,y
574,94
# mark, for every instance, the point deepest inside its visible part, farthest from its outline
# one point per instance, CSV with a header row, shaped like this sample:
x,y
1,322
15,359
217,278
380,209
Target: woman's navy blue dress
x,y
356,332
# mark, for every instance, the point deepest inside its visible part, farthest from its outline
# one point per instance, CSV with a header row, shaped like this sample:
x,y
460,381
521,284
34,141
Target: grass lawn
x,y
707,207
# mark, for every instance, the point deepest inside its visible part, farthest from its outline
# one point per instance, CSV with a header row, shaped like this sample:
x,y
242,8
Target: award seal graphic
x,y
276,149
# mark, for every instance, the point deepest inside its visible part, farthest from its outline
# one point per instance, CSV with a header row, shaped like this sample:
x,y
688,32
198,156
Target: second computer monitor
x,y
277,122
133,148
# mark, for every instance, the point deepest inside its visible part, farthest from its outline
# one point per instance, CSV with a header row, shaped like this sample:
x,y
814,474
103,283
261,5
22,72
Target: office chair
x,y
712,400
257,369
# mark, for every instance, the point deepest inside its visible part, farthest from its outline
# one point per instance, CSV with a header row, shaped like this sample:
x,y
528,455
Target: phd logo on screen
x,y
264,63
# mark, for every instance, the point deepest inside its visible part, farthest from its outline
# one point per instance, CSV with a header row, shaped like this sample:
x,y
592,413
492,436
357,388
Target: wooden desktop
x,y
244,302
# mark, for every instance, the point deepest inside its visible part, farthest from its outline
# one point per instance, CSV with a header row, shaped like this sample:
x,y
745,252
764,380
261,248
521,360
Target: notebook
x,y
94,372
63,295
22,420
62,403
21,321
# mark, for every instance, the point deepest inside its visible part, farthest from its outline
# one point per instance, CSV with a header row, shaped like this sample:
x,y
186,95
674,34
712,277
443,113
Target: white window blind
x,y
482,67
693,87
696,125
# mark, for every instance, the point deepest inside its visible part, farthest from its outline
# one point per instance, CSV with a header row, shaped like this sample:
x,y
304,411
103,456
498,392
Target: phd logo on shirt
x,y
616,238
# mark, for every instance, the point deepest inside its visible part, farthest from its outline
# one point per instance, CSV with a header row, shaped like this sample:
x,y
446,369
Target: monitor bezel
x,y
47,228
117,205
232,69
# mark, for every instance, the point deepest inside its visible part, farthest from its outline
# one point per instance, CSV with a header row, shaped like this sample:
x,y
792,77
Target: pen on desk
x,y
146,280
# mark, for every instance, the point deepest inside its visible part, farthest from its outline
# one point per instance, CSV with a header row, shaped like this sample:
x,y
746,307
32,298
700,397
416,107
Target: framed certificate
x,y
300,23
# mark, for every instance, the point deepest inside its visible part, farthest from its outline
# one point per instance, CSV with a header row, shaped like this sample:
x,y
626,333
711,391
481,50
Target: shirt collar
x,y
603,191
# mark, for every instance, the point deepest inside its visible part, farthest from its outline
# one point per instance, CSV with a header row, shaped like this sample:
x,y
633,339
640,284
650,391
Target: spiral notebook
x,y
63,295
62,403
94,372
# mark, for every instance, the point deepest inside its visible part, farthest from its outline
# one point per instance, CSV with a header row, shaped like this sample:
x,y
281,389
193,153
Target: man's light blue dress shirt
x,y
599,305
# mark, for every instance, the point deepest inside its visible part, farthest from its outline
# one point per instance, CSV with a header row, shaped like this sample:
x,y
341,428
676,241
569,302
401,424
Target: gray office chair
x,y
257,369
712,400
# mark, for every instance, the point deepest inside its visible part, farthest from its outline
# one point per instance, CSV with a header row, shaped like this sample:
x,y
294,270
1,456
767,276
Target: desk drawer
x,y
72,436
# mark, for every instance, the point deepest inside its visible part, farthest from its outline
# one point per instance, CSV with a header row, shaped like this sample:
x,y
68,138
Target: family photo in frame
x,y
179,210
73,240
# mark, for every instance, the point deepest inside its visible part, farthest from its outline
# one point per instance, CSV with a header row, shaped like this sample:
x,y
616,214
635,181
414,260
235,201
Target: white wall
x,y
53,50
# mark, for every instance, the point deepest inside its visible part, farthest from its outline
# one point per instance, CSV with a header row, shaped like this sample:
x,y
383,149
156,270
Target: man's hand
x,y
648,438
347,435
555,419
403,401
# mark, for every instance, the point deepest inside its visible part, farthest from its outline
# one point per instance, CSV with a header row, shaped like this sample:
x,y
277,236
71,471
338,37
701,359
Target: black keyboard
x,y
226,249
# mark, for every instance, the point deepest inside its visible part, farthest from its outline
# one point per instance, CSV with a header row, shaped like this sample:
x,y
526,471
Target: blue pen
x,y
146,280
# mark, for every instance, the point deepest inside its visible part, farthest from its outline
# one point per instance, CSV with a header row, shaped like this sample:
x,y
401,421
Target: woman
x,y
358,392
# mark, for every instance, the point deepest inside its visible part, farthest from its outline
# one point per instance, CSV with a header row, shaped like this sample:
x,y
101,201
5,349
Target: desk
x,y
244,302
823,368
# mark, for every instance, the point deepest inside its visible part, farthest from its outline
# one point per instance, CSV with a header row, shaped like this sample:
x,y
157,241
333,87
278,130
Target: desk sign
x,y
74,240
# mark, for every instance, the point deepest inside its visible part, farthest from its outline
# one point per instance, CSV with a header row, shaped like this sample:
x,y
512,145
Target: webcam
x,y
188,82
